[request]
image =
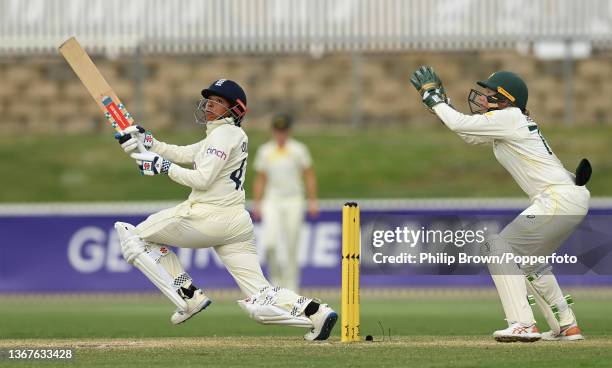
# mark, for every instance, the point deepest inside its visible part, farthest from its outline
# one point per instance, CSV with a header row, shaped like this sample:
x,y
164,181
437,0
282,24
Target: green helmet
x,y
509,85
282,122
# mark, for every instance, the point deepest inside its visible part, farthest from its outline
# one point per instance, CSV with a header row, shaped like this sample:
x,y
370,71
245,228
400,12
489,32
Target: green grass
x,y
426,331
409,162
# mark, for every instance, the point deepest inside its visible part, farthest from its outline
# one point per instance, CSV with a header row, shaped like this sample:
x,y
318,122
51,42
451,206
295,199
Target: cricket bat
x,y
115,112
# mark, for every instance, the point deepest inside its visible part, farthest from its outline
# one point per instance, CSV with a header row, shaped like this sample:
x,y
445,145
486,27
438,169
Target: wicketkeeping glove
x,y
133,136
151,163
429,86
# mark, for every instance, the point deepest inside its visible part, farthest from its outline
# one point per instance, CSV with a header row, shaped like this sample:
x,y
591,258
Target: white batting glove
x,y
133,136
151,163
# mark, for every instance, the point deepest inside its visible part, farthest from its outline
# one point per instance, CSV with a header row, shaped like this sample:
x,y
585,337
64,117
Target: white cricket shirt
x,y
284,167
219,164
518,145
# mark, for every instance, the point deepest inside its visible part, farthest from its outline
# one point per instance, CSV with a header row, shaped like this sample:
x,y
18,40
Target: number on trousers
x,y
236,175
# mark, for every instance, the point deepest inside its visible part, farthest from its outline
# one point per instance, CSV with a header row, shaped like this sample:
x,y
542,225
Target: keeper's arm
x,y
492,125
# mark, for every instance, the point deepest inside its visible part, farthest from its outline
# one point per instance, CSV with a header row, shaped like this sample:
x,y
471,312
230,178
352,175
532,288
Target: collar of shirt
x,y
212,125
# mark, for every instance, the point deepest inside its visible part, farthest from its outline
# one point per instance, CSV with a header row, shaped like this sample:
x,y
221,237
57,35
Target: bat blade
x,y
104,96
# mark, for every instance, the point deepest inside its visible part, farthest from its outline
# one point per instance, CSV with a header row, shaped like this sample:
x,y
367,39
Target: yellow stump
x,y
351,252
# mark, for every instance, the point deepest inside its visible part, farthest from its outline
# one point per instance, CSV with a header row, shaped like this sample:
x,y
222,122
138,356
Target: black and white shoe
x,y
323,322
195,305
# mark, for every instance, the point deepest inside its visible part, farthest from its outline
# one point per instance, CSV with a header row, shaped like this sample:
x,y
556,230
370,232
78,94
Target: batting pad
x,y
147,260
550,299
266,308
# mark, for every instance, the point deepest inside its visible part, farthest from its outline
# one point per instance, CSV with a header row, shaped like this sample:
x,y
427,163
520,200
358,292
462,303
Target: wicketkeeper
x,y
559,199
212,217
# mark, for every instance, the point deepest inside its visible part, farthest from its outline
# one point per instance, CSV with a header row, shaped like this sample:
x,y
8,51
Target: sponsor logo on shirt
x,y
213,151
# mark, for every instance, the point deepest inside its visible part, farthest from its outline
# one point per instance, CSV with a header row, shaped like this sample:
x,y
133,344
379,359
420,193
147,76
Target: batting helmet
x,y
233,93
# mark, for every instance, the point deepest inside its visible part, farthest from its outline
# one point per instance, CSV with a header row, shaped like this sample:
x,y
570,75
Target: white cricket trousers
x,y
538,231
228,230
282,222
550,219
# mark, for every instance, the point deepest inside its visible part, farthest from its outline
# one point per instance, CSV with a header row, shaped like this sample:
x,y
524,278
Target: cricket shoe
x,y
518,333
323,322
197,303
568,333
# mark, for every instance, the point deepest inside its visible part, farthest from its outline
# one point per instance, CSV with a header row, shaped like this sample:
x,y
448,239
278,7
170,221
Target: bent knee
x,y
244,247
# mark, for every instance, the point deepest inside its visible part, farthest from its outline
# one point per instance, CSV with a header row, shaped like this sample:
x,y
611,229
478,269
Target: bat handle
x,y
141,147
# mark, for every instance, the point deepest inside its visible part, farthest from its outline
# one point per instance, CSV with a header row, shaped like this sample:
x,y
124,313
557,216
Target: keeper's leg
x,y
162,267
551,231
554,306
510,283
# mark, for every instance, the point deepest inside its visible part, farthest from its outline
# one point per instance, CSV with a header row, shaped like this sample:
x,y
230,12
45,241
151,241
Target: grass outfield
x,y
409,162
427,330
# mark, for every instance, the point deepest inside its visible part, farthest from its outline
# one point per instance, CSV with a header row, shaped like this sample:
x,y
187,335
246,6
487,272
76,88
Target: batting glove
x,y
429,86
130,138
151,163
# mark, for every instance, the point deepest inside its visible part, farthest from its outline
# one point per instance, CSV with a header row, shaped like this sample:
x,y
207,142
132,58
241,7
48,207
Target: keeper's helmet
x,y
509,88
229,90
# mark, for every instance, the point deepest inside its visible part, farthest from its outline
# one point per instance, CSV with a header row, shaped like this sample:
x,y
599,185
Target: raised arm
x,y
177,154
473,129
208,164
136,135
491,125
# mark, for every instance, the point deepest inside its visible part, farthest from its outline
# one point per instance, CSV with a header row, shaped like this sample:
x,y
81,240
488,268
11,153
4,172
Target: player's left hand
x,y
134,136
429,86
151,163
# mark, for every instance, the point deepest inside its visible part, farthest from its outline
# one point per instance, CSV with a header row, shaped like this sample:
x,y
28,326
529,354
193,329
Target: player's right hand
x,y
130,138
151,163
428,84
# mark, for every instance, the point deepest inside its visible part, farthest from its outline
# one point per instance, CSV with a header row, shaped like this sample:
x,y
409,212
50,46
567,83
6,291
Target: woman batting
x,y
559,199
213,216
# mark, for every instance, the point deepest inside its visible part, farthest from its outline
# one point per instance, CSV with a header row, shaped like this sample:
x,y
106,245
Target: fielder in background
x,y
212,217
559,199
282,165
